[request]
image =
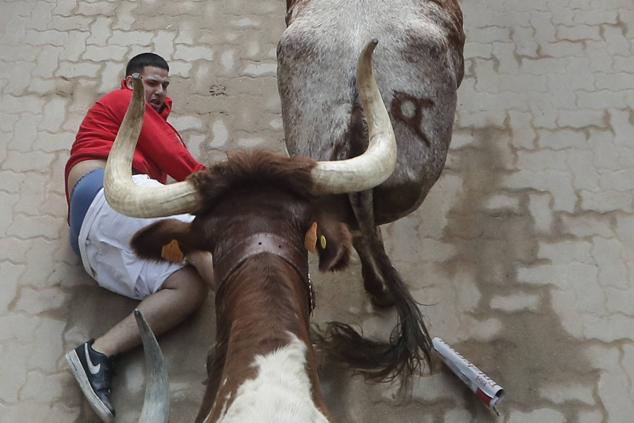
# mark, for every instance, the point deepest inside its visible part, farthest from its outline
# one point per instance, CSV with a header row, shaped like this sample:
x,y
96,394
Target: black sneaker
x,y
93,372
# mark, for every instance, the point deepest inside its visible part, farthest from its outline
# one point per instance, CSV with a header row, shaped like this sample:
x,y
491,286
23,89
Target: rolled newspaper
x,y
489,392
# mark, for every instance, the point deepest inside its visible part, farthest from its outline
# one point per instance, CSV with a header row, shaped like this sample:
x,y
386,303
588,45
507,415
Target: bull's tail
x,y
409,346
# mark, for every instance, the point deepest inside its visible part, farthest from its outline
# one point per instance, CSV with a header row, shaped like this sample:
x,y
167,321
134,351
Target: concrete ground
x,y
523,253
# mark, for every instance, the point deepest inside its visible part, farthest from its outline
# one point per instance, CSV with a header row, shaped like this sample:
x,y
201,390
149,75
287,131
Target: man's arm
x,y
160,143
204,265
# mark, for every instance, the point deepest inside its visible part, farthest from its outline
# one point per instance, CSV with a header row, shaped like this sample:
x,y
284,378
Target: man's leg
x,y
103,240
182,293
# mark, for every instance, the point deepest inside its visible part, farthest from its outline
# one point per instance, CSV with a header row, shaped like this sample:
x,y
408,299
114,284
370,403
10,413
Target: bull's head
x,y
202,195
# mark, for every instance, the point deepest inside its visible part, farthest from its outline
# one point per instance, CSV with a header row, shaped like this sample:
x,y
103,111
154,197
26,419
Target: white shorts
x,y
104,246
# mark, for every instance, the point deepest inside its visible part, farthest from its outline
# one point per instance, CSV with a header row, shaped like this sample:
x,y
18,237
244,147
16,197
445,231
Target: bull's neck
x,y
260,304
263,313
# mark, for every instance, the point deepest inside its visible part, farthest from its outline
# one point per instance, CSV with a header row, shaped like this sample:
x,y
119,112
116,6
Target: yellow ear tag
x,y
322,242
172,252
310,240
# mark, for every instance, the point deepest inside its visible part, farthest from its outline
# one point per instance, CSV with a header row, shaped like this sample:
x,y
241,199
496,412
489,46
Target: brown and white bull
x,y
258,214
418,67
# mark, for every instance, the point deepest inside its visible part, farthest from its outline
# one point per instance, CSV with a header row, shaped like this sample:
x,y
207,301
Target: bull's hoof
x,y
379,295
381,299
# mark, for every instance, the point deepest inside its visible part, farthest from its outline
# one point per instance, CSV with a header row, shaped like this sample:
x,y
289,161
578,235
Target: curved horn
x,y
378,162
156,405
122,193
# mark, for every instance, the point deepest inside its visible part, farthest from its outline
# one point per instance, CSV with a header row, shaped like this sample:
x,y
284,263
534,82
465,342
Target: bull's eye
x,y
322,242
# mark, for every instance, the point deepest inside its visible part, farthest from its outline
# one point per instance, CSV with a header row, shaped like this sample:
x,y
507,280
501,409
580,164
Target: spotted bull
x,y
419,67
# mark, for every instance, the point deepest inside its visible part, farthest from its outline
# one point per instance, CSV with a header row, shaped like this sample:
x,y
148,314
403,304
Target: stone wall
x,y
522,255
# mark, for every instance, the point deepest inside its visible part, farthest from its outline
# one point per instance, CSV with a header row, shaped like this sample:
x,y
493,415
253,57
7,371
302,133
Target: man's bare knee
x,y
189,283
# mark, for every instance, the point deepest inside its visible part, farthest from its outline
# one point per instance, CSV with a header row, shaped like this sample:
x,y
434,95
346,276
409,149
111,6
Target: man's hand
x,y
204,265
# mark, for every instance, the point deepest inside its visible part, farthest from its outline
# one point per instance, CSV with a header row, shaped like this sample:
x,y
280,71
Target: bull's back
x,y
418,66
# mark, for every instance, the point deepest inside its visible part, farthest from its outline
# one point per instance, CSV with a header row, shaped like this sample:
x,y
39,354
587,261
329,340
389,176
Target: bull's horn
x,y
121,192
156,405
378,162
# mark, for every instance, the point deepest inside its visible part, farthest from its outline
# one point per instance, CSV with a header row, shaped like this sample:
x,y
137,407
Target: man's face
x,y
155,82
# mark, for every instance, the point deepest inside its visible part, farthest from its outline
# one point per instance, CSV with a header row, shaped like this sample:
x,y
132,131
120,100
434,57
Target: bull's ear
x,y
334,245
167,239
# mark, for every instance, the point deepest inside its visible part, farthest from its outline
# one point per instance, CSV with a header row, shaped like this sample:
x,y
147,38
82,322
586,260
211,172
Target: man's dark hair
x,y
140,61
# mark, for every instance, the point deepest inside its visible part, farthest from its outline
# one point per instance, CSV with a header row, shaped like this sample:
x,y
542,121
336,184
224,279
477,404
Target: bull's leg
x,y
215,363
210,391
409,347
372,279
362,206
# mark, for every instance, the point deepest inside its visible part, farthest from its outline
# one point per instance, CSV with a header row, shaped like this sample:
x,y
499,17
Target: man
x,y
169,292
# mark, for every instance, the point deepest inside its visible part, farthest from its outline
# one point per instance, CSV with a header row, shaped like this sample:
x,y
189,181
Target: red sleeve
x,y
161,144
160,149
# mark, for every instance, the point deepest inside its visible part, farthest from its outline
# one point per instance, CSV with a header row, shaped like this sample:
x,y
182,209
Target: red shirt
x,y
159,152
